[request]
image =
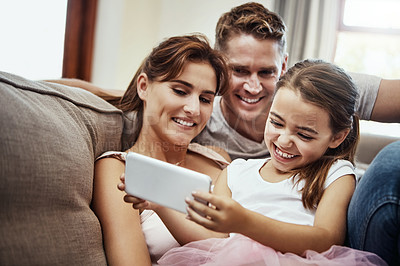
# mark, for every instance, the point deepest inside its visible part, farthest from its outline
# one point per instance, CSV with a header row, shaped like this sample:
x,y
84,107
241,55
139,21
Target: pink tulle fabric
x,y
240,250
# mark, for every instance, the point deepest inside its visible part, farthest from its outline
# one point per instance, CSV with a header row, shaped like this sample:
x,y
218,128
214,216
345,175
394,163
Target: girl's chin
x,y
281,167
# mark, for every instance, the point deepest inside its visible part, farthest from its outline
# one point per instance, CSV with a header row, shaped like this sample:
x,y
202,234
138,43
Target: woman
x,y
172,95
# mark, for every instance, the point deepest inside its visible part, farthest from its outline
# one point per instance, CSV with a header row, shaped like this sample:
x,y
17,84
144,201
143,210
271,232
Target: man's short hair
x,y
253,19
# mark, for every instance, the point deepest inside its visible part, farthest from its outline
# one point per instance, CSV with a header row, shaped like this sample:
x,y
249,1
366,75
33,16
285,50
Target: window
x,y
369,37
32,37
34,34
368,42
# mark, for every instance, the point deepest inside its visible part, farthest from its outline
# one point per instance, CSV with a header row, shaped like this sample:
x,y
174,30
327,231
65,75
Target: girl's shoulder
x,y
338,169
240,164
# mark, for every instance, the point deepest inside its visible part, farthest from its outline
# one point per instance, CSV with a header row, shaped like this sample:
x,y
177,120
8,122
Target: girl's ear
x,y
142,86
338,138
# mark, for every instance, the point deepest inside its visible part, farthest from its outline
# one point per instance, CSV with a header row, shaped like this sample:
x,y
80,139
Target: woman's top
x,y
280,201
159,240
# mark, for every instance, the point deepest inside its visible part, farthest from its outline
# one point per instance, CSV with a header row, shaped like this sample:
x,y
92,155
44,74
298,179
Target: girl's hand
x,y
223,214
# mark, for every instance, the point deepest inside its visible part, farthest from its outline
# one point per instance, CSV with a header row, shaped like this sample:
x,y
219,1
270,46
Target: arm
x,y
123,238
387,104
89,87
329,225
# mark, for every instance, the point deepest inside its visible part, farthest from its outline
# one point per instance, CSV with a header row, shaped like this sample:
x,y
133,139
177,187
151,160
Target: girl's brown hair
x,y
330,88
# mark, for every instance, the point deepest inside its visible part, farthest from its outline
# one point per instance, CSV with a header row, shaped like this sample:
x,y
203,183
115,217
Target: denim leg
x,y
373,221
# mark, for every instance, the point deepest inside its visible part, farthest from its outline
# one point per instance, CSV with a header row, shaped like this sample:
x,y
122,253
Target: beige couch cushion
x,y
50,136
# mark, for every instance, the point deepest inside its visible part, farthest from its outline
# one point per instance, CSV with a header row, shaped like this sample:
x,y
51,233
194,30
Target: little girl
x,y
290,208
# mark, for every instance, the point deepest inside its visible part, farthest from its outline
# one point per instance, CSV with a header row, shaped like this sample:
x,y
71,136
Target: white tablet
x,y
162,182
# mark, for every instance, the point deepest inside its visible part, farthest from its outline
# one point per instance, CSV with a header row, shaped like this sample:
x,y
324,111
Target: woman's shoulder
x,y
119,155
215,154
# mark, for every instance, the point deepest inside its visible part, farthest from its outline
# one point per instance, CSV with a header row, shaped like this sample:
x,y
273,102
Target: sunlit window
x,y
32,42
368,42
369,37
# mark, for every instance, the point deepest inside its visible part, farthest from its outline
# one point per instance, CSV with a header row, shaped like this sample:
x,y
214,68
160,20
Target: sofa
x,y
50,137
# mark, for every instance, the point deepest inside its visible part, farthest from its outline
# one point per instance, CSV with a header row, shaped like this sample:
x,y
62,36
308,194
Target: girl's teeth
x,y
184,123
283,154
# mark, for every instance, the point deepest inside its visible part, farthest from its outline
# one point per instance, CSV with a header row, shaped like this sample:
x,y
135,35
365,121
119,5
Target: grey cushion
x,y
50,136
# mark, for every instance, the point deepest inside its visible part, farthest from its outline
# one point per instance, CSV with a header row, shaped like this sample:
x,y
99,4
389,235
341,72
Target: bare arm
x,y
96,90
329,226
387,104
123,238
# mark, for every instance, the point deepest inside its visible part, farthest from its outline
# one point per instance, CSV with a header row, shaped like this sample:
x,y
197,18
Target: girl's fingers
x,y
200,219
215,200
198,205
201,195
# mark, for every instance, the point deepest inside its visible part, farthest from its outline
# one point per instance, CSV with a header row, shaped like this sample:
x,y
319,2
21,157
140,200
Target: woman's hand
x,y
137,203
223,214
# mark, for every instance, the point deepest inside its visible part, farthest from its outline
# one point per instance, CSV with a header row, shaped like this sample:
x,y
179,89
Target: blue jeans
x,y
373,221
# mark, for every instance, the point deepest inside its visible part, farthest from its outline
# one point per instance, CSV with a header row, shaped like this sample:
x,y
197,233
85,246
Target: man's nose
x,y
253,85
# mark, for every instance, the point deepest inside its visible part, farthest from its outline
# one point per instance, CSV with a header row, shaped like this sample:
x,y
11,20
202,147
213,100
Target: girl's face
x,y
177,110
297,132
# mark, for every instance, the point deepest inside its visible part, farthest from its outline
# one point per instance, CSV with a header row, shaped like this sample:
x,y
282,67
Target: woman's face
x,y
176,111
297,132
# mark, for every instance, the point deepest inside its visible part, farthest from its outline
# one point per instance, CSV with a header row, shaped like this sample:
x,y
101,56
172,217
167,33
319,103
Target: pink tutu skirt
x,y
240,250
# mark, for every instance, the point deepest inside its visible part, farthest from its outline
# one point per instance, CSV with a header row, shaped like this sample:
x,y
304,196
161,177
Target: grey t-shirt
x,y
218,132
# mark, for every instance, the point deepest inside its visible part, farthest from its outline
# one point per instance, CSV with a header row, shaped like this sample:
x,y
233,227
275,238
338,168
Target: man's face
x,y
256,67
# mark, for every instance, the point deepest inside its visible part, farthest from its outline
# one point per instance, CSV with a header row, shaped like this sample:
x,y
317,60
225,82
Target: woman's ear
x,y
142,86
338,138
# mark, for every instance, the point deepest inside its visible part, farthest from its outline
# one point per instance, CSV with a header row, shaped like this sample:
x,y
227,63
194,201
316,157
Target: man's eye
x,y
266,73
239,71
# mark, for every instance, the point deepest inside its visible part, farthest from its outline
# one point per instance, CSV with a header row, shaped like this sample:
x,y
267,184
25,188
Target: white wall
x,y
127,30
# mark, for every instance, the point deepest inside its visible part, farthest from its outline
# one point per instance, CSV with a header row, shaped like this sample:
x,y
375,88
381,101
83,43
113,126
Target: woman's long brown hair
x,y
166,62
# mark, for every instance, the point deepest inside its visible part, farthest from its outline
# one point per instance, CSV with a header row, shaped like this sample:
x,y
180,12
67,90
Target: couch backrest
x,y
50,136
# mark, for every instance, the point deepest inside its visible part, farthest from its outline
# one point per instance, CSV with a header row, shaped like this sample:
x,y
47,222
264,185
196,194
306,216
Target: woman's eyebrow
x,y
185,83
189,85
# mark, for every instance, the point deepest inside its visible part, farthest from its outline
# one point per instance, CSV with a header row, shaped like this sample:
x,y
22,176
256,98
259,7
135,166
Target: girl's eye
x,y
179,92
275,123
305,137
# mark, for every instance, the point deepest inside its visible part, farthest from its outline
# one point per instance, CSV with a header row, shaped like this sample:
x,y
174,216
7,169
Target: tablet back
x,y
162,182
